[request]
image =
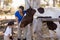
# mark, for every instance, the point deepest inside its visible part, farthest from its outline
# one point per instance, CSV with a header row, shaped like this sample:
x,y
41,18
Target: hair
x,y
11,23
21,7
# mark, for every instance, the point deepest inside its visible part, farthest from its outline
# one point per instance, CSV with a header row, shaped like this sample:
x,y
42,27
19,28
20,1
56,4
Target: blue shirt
x,y
17,14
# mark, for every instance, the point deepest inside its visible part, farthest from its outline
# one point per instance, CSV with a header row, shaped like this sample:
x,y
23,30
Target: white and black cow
x,y
34,13
53,13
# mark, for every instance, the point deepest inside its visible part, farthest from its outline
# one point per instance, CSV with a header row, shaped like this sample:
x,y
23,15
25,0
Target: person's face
x,y
20,10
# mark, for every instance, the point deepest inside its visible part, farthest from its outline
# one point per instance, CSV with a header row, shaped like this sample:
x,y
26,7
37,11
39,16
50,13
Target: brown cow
x,y
28,18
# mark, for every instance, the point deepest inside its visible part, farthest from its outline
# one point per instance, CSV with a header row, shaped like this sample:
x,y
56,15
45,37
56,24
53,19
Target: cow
x,y
29,18
34,13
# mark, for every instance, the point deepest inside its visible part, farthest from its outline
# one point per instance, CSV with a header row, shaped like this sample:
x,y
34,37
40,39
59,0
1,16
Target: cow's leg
x,y
34,28
18,32
37,34
58,30
34,25
38,30
21,31
42,31
29,33
24,33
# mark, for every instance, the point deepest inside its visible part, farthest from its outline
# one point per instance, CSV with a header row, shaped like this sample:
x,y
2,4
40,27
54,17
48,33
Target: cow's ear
x,y
28,10
41,10
33,11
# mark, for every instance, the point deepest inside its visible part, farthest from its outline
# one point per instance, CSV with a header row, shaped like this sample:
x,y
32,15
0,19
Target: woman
x,y
19,15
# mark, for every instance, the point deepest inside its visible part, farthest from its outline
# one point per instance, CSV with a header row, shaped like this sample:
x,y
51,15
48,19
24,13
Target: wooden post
x,y
32,3
53,3
27,4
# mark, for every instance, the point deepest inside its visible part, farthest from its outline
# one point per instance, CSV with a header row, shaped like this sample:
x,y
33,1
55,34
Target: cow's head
x,y
30,11
28,18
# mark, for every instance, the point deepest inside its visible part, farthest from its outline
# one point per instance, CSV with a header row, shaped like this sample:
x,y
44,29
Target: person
x,y
8,32
19,14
